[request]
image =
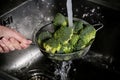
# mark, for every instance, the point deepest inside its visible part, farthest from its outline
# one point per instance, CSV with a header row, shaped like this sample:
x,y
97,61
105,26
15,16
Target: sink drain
x,y
38,75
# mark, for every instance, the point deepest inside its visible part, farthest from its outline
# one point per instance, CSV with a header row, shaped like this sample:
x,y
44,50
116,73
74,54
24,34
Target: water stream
x,y
62,70
70,13
63,67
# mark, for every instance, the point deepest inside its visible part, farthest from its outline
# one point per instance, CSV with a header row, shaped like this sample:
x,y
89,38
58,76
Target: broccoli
x,y
66,39
59,20
87,34
43,36
78,26
74,39
64,34
67,48
80,45
51,46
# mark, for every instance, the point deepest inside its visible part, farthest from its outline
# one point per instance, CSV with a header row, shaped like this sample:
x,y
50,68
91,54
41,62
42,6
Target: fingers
x,y
21,38
12,40
8,44
15,44
11,44
7,32
18,45
24,46
4,48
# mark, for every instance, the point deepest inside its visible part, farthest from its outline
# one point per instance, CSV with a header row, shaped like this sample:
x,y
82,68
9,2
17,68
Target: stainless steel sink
x,y
31,15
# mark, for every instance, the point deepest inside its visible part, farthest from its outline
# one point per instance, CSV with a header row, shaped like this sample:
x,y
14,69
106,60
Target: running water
x,y
70,13
62,70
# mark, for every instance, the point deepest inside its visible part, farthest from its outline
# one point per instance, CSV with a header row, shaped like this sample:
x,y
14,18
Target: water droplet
x,y
76,10
37,7
98,7
48,3
64,13
42,16
86,7
93,10
74,69
85,15
47,6
63,8
49,11
53,5
48,19
91,14
81,5
102,16
98,14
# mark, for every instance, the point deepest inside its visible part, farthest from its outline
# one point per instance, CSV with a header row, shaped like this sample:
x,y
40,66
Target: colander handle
x,y
98,26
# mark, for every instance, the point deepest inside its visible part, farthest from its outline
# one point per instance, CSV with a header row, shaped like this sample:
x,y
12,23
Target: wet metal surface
x,y
27,18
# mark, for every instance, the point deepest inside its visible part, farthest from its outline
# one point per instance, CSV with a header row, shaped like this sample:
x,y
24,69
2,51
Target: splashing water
x,y
70,13
64,67
62,70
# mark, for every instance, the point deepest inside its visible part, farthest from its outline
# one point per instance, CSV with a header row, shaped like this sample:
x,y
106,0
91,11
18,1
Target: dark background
x,y
6,5
107,41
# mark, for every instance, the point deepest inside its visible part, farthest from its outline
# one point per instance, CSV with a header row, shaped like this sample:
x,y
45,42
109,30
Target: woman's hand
x,y
12,40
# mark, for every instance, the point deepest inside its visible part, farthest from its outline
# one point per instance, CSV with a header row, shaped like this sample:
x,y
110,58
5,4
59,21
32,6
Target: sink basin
x,y
101,62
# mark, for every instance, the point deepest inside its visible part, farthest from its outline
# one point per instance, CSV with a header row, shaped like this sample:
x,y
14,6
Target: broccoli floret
x,y
80,45
74,39
66,39
64,34
67,48
87,34
60,20
51,46
78,26
43,36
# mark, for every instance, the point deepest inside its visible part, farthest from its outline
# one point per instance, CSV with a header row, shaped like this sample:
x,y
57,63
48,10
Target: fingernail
x,y
12,49
29,41
23,46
